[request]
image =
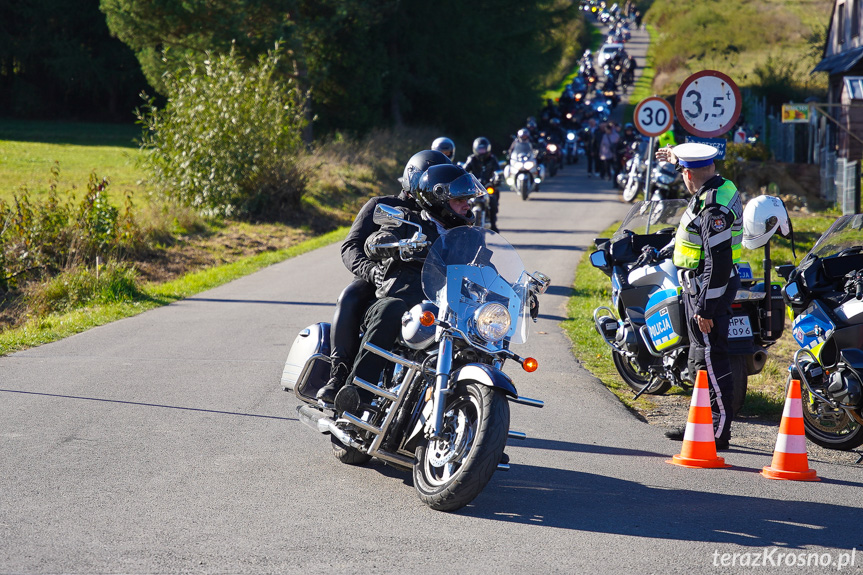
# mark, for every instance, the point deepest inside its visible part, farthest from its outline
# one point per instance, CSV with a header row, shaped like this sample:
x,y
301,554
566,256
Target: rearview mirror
x,y
384,214
597,259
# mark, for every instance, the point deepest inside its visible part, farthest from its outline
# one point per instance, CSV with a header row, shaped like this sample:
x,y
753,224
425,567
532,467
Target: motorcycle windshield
x,y
845,233
522,150
647,217
471,266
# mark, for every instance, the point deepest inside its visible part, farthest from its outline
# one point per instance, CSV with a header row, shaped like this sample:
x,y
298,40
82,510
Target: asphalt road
x,y
164,443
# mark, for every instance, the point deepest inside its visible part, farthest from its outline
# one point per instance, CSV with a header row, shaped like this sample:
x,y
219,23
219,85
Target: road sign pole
x,y
647,172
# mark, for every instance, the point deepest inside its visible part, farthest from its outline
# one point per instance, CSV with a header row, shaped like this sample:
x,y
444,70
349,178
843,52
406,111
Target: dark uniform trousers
x,y
709,352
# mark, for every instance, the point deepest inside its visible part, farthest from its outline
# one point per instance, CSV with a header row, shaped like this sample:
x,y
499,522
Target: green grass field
x,y
29,151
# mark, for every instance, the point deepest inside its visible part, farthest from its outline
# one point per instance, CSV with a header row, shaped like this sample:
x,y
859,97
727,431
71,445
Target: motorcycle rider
x,y
706,246
445,146
360,293
591,137
443,193
483,164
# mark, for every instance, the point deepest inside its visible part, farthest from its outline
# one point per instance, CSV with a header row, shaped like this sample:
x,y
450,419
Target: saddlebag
x,y
311,345
666,322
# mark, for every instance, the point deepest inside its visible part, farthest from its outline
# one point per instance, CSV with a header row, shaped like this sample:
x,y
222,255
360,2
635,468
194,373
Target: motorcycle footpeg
x,y
348,399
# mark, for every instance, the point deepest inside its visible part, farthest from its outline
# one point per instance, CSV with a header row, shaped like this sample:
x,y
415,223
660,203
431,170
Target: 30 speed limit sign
x,y
653,116
708,104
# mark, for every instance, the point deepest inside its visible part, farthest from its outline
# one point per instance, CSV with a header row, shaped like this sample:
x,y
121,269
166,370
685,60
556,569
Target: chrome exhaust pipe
x,y
318,421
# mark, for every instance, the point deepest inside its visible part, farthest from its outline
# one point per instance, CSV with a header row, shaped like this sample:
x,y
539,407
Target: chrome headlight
x,y
528,165
516,166
492,321
570,136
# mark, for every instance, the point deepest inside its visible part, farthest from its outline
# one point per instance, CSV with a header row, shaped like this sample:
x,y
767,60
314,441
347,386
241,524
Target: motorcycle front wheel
x,y
451,471
636,380
630,189
828,427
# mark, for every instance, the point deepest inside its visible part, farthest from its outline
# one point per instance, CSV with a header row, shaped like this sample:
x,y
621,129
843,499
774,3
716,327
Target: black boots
x,y
338,376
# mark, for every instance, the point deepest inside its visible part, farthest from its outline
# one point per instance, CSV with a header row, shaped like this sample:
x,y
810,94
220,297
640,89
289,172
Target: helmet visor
x,y
466,186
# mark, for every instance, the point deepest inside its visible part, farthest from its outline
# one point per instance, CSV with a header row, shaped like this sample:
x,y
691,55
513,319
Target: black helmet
x,y
524,135
445,146
481,146
417,165
439,184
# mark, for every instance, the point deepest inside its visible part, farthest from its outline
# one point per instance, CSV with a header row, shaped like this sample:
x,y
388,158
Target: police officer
x,y
368,274
706,247
483,164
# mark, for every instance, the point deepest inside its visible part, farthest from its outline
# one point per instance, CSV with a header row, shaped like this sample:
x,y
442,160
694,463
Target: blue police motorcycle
x,y
825,295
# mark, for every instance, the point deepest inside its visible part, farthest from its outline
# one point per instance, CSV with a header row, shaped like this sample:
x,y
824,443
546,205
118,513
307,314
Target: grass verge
x,y
53,327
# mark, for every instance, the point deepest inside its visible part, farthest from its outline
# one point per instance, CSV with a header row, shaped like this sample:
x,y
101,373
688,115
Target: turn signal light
x,y
530,364
427,318
490,190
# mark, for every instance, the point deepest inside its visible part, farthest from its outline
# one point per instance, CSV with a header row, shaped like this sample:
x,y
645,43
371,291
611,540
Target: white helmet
x,y
761,217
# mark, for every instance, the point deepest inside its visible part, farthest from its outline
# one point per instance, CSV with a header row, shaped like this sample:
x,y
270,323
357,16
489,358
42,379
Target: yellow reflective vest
x,y
689,245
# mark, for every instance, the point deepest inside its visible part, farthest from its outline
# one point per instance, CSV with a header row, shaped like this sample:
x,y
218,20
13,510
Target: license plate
x,y
739,327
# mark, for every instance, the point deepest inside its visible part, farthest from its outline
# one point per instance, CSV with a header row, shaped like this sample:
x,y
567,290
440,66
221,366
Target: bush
x,y
79,286
227,142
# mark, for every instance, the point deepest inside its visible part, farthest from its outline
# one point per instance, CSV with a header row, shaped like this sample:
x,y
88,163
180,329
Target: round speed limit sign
x,y
708,104
653,116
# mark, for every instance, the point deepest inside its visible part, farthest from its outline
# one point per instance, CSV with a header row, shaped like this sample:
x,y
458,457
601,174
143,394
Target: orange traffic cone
x,y
789,457
699,443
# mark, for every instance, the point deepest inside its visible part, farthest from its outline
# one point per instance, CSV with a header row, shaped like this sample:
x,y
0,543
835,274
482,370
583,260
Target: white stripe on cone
x,y
793,408
698,432
790,443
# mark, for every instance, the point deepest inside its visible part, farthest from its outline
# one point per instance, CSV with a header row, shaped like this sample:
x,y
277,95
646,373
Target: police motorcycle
x,y
441,409
573,148
524,173
646,323
825,295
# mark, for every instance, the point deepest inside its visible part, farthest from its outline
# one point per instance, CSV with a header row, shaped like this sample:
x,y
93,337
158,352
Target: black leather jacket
x,y
402,279
353,249
482,167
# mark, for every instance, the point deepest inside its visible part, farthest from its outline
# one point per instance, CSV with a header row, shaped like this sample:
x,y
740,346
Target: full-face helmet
x,y
481,147
440,184
444,146
417,165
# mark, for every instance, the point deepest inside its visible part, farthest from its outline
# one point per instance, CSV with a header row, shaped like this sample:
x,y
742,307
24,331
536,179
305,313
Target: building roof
x,y
840,63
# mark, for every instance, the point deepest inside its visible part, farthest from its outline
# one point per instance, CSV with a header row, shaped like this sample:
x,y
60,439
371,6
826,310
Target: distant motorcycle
x,y
666,182
825,294
631,178
524,173
573,147
481,205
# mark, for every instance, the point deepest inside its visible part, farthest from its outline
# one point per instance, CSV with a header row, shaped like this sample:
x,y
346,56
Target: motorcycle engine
x,y
844,386
415,334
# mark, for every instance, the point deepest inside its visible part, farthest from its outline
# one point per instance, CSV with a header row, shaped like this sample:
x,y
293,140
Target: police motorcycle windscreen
x,y
648,217
476,275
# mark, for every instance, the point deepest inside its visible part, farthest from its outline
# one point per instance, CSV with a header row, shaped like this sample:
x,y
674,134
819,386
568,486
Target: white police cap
x,y
694,155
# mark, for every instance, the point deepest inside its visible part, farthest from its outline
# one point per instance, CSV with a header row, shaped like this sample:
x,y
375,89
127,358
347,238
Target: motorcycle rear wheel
x,y
450,472
634,379
348,455
841,432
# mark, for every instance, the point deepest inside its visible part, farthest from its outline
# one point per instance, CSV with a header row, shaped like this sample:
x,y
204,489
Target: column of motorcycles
x,y
645,323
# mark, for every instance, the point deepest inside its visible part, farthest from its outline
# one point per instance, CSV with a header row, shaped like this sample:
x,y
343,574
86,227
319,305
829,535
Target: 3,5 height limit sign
x,y
653,116
708,104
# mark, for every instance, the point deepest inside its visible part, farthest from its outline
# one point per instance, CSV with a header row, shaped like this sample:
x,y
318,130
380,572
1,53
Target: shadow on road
x,y
587,502
143,404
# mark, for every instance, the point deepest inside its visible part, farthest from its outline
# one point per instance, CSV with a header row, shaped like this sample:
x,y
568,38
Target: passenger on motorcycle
x,y
443,195
360,293
483,164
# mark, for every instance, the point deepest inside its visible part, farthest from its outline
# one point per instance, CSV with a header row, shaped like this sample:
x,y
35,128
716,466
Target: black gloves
x,y
377,275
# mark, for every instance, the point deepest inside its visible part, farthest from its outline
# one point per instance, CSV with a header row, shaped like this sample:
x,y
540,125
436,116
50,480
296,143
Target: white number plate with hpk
x,y
739,327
